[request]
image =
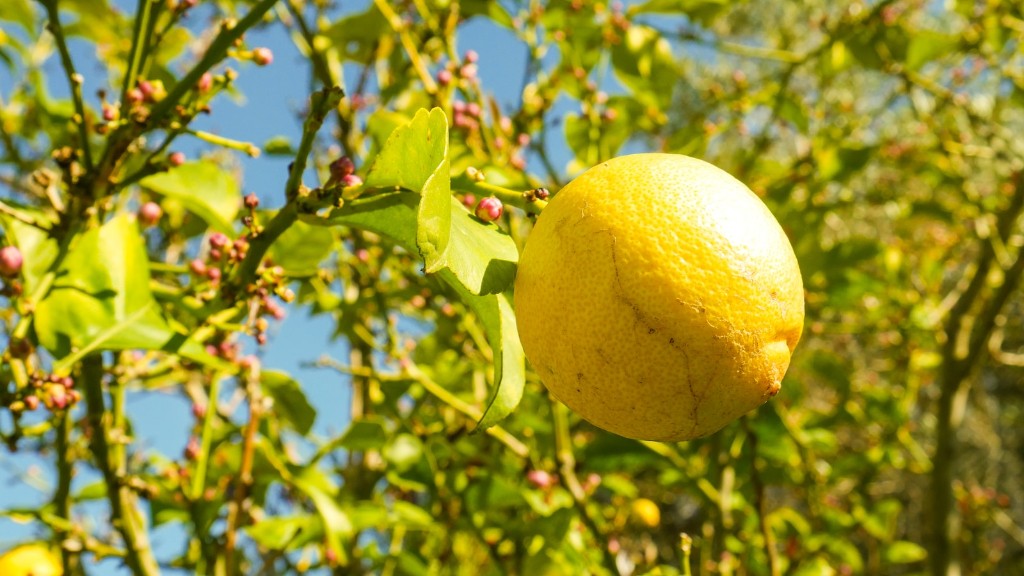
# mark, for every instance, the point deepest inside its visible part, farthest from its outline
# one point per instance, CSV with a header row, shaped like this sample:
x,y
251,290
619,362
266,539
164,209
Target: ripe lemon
x,y
645,512
659,298
30,560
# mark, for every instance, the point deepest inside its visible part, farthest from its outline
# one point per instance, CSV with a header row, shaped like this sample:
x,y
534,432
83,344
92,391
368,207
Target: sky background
x,y
273,96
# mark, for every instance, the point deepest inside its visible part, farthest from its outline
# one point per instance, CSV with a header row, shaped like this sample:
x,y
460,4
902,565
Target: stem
x,y
686,545
202,460
525,201
126,519
74,78
244,481
567,475
409,44
321,103
139,38
62,496
760,504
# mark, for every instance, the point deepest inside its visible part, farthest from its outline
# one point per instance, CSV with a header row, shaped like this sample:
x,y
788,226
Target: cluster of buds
x,y
271,282
520,141
461,72
466,116
55,392
221,254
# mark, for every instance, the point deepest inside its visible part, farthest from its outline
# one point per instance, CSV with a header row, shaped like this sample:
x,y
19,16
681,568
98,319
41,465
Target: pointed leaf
x,y
205,188
290,403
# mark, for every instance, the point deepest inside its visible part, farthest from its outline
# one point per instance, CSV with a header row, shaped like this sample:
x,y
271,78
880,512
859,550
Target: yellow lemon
x,y
30,560
658,297
645,512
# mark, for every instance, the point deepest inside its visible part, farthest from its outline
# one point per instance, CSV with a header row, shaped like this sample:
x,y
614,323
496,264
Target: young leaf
x,y
290,403
206,189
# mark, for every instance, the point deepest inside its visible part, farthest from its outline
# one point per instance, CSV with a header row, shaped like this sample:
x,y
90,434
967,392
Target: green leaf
x,y
492,9
404,452
301,249
37,247
481,256
282,533
412,515
927,45
643,61
356,36
279,146
205,188
499,320
290,403
101,297
905,552
415,158
21,12
365,434
314,484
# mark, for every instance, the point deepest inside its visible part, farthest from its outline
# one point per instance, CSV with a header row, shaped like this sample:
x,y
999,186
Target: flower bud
x,y
176,158
489,209
150,213
11,261
252,201
263,56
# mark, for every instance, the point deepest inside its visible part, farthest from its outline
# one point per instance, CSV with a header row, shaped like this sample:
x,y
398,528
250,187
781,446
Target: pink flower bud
x,y
198,410
110,113
489,209
135,96
218,240
468,71
473,109
458,106
469,200
342,167
11,261
540,478
444,77
192,448
198,267
150,213
472,56
176,158
350,180
205,82
214,274
263,56
251,201
31,402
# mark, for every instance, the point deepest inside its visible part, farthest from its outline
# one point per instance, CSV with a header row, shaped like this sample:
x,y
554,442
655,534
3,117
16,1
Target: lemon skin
x,y
659,298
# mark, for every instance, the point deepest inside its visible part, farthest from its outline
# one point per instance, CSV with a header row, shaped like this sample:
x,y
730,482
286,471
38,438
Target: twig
x,y
138,554
567,476
244,481
760,504
74,78
408,43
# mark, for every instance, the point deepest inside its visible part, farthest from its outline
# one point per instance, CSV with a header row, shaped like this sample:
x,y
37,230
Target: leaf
x,y
301,249
404,452
356,36
317,487
481,256
21,12
290,403
415,158
905,552
205,188
492,9
499,320
365,434
643,61
37,247
279,146
927,45
479,261
103,284
282,533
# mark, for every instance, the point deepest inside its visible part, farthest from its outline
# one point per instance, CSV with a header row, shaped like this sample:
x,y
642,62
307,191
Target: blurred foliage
x,y
883,135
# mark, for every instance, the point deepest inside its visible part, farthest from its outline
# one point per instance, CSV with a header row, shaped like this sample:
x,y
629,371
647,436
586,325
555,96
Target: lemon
x,y
30,560
645,512
659,298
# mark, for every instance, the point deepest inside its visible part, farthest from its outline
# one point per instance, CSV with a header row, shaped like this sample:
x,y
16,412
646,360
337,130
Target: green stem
x,y
686,545
523,200
126,518
567,475
199,480
74,78
321,103
143,13
62,496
